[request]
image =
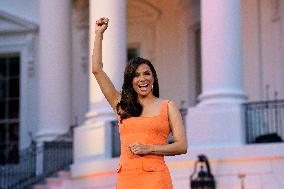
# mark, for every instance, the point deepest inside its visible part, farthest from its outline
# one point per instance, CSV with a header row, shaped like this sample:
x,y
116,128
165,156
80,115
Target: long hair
x,y
128,105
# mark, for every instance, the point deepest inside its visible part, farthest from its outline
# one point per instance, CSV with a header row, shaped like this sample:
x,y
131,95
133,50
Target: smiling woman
x,y
143,80
140,80
145,121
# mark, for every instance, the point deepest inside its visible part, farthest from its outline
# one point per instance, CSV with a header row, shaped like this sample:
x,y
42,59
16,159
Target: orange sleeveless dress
x,y
148,171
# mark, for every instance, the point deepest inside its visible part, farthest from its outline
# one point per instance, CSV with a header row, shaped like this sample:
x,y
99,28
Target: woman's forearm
x,y
97,63
175,148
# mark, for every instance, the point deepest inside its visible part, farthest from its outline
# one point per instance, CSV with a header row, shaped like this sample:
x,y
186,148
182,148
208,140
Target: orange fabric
x,y
149,171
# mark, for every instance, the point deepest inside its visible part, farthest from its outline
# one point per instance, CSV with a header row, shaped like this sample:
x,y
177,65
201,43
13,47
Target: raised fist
x,y
101,25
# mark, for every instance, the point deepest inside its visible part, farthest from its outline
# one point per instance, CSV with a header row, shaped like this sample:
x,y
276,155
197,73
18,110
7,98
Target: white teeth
x,y
144,85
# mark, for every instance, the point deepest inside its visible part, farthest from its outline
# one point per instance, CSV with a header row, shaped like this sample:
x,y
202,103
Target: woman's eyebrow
x,y
146,71
142,71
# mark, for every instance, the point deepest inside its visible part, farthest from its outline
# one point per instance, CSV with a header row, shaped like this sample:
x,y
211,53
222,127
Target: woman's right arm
x,y
107,87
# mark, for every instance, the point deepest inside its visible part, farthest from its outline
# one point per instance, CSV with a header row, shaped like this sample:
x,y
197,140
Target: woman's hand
x,y
101,25
139,149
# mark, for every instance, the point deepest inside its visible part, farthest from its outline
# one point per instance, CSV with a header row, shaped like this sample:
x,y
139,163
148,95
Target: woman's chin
x,y
144,94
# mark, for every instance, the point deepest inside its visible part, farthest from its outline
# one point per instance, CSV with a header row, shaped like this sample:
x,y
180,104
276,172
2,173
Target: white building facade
x,y
211,58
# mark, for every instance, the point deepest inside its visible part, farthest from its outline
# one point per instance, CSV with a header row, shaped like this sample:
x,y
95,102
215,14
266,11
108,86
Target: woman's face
x,y
143,80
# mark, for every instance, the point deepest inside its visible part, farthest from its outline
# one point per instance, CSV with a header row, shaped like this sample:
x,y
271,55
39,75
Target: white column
x,y
281,12
97,128
222,78
114,49
54,69
218,119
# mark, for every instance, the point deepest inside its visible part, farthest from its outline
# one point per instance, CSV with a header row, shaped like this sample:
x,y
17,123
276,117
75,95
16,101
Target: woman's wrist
x,y
99,35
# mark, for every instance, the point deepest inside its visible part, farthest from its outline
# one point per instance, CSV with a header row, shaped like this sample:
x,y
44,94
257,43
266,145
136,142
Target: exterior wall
x,y
23,45
167,40
22,39
164,41
192,19
27,9
251,48
174,28
263,49
27,44
261,168
80,65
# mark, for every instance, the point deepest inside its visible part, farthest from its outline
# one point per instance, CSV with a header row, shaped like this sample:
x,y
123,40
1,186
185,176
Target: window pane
x,y
14,66
13,108
14,153
2,89
3,132
14,143
2,154
132,53
13,132
2,68
9,108
2,109
3,146
14,87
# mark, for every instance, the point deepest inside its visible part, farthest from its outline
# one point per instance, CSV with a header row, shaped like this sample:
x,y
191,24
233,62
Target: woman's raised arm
x,y
107,87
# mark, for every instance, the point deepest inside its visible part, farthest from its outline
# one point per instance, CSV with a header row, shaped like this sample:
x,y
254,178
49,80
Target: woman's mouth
x,y
143,87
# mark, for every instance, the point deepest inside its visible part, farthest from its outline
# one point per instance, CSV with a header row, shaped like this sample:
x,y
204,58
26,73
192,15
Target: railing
x,y
37,162
57,155
264,121
14,175
9,152
115,139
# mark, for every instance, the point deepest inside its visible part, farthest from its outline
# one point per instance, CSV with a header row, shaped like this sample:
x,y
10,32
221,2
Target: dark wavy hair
x,y
128,105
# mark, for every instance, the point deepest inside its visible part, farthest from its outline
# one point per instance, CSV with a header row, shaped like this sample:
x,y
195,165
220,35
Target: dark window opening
x,y
132,53
198,60
9,108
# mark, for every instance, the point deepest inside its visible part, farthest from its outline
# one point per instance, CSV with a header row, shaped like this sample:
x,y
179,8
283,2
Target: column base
x,y
92,142
222,97
93,139
215,126
45,134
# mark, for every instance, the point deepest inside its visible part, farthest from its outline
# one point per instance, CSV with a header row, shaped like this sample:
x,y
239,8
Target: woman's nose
x,y
141,78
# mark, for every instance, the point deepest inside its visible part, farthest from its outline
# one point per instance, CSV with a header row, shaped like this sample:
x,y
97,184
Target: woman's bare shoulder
x,y
160,101
169,101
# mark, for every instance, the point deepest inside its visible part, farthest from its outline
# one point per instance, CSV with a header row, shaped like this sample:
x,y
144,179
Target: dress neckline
x,y
153,116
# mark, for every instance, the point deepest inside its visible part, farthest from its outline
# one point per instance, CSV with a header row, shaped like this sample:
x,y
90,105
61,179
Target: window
x,y
132,53
9,108
198,64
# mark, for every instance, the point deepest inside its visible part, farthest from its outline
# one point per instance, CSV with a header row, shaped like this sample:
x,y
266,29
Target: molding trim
x,y
30,39
275,9
16,24
144,11
81,13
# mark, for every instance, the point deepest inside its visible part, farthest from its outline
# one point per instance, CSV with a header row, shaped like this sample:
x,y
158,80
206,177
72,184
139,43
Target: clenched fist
x,y
101,25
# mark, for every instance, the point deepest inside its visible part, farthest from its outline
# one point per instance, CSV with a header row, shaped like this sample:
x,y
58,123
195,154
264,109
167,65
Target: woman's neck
x,y
146,100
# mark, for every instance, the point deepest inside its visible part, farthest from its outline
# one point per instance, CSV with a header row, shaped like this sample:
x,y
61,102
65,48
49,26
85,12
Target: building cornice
x,y
14,24
141,10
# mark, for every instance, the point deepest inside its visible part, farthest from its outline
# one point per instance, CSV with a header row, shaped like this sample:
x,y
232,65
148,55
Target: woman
x,y
145,121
